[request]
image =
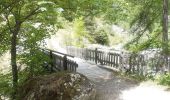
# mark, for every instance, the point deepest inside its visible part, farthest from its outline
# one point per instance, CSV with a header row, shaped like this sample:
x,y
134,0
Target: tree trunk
x,y
165,30
13,59
14,65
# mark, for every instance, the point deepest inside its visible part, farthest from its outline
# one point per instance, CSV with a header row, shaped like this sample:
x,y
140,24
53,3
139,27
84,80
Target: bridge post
x,y
96,55
51,61
65,62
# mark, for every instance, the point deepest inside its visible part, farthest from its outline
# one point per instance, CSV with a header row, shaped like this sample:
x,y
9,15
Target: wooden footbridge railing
x,y
133,63
60,61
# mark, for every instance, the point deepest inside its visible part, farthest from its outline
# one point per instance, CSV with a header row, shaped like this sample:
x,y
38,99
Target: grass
x,y
135,77
163,79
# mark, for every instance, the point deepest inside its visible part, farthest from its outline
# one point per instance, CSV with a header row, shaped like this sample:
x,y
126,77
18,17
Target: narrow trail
x,y
112,87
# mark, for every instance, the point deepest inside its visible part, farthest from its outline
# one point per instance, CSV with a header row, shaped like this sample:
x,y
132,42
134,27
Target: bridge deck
x,y
112,87
108,86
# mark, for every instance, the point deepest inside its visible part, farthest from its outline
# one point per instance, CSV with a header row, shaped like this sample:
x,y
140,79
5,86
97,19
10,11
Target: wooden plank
x,y
93,56
96,55
104,62
101,60
109,59
114,60
106,59
117,61
89,55
100,57
59,52
93,59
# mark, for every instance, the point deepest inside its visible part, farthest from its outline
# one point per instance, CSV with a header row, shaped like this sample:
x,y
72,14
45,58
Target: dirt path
x,y
112,87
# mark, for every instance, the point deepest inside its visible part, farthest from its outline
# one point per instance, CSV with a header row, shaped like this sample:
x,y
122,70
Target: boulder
x,y
58,86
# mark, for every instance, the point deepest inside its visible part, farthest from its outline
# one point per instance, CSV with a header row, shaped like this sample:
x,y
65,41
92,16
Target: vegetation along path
x,y
112,87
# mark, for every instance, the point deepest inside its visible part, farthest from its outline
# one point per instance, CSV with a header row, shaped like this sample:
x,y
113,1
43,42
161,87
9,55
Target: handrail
x,y
58,52
60,60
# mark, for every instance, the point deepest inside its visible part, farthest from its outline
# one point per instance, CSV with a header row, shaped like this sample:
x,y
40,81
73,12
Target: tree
x,y
165,26
101,37
165,45
18,19
79,31
148,20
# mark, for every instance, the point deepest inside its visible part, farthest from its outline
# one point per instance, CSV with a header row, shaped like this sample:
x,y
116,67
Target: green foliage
x,y
79,27
150,40
5,85
6,79
116,39
38,18
5,40
19,29
146,22
101,37
135,77
77,8
164,79
79,32
35,60
146,16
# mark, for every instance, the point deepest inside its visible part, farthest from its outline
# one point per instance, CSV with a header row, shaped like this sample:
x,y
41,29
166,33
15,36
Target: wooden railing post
x,y
120,61
96,57
65,62
51,61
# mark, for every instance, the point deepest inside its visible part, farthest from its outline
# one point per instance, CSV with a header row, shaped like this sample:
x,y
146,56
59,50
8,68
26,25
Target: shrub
x,y
101,37
164,79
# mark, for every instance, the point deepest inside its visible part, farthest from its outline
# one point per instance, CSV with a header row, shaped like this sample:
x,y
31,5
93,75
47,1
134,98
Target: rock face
x,y
60,86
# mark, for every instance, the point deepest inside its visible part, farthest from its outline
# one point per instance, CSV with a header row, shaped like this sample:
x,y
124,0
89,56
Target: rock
x,y
60,86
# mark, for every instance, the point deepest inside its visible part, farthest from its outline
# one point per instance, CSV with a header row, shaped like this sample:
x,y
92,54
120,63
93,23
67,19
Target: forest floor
x,y
111,86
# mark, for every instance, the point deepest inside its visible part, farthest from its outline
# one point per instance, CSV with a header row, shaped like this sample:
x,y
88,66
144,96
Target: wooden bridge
x,y
60,61
132,63
108,85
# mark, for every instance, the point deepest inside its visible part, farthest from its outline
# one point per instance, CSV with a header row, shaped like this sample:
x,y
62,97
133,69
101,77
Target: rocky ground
x,y
58,86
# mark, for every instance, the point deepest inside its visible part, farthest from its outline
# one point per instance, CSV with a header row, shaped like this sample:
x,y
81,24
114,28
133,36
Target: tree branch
x,y
8,23
31,14
9,6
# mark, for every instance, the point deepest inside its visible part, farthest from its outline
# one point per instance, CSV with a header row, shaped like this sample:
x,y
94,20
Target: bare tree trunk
x,y
165,30
13,59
